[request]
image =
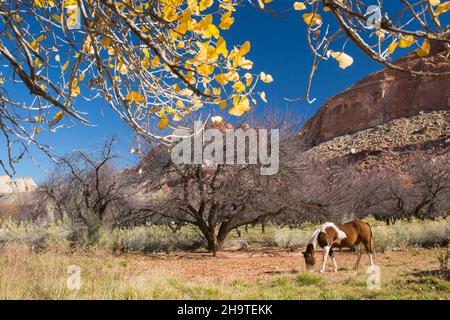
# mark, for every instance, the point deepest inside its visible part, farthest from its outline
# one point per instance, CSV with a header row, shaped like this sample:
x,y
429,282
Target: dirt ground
x,y
248,265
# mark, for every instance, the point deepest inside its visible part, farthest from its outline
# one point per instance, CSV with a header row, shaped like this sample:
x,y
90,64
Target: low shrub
x,y
66,235
147,239
290,238
416,233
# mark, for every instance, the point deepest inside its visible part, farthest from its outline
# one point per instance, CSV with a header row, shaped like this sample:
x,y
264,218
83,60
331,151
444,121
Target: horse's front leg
x,y
325,256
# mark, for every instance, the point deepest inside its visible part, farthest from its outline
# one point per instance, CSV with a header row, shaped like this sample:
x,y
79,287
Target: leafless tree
x,y
215,198
422,190
417,187
87,188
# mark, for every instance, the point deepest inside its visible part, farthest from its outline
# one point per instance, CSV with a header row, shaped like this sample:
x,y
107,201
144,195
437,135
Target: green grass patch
x,y
308,279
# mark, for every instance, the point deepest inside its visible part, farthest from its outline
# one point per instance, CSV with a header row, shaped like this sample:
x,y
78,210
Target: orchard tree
x,y
214,197
422,190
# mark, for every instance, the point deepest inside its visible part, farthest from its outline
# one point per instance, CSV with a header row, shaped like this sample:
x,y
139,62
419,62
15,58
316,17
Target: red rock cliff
x,y
381,97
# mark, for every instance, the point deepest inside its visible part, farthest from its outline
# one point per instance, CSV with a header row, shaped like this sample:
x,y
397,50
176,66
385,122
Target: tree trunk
x,y
215,243
221,236
212,243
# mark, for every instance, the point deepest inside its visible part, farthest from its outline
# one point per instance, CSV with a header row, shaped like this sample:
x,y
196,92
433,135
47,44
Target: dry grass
x,y
34,261
29,274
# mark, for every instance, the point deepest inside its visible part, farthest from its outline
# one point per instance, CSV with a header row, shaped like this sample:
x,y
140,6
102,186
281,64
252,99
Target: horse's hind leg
x,y
368,247
368,241
334,260
358,259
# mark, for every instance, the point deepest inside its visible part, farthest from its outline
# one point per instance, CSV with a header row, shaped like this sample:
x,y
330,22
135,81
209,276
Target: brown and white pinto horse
x,y
333,235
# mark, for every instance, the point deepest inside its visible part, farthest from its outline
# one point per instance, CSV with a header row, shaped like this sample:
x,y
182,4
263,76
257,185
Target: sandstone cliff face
x,y
8,185
381,97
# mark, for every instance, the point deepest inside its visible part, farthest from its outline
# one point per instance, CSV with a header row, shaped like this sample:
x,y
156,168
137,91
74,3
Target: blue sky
x,y
278,47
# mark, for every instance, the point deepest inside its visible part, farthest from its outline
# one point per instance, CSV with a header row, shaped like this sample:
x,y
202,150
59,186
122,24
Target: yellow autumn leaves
x,y
44,3
342,58
51,3
424,50
440,8
147,63
311,19
134,97
226,21
314,19
58,116
241,104
75,89
407,41
205,4
262,3
40,119
299,6
202,59
72,14
192,40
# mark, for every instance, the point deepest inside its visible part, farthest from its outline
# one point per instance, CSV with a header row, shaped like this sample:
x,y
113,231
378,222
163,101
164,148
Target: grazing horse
x,y
333,235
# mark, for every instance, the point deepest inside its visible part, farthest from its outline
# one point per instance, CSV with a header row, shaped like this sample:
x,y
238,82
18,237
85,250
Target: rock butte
x,y
381,97
8,185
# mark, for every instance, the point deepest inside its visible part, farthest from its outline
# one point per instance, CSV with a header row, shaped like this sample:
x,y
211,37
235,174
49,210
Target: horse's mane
x,y
313,240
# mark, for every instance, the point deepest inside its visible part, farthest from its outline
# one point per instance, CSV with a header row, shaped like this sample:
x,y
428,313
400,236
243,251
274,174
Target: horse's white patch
x,y
340,234
313,239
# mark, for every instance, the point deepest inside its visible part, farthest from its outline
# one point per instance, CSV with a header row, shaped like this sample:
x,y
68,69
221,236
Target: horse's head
x,y
309,255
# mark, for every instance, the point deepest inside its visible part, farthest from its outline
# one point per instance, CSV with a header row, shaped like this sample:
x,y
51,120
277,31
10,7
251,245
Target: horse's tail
x,y
371,238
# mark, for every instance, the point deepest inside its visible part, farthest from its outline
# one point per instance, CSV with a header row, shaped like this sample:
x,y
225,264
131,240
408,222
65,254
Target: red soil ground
x,y
248,265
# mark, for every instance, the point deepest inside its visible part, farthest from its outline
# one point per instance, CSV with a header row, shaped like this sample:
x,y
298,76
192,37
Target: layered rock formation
x,y
8,185
381,97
